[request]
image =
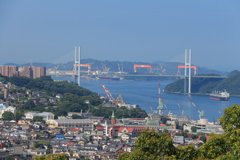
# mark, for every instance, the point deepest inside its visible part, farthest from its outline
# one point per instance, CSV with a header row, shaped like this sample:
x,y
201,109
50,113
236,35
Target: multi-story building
x,y
30,72
9,71
26,72
46,115
38,72
85,124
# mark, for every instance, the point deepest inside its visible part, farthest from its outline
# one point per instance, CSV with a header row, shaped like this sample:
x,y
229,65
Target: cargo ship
x,y
109,78
221,96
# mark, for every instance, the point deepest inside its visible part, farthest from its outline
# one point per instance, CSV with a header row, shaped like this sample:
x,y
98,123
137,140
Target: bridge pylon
x,y
77,65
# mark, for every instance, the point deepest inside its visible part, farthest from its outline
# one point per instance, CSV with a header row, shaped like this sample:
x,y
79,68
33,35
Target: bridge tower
x,y
77,65
188,59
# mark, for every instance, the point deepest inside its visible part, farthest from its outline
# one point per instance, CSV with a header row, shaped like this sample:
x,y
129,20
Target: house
x,y
37,152
58,96
126,137
133,131
74,131
178,139
60,137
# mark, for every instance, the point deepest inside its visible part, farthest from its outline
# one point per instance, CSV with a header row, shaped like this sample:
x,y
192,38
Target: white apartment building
x,y
4,107
46,115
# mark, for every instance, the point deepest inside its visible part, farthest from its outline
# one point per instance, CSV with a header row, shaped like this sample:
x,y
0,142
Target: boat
x,y
221,96
109,78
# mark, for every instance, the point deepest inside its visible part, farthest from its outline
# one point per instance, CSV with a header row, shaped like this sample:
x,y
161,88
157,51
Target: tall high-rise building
x,y
30,72
38,72
9,71
26,71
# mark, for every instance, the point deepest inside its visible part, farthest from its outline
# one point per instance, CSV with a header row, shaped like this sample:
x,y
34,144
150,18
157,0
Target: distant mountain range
x,y
159,67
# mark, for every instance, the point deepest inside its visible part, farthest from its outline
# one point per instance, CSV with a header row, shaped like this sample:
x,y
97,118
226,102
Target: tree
x,y
75,116
151,145
214,147
187,153
203,138
19,115
194,136
51,157
231,118
194,129
38,119
8,116
225,146
29,105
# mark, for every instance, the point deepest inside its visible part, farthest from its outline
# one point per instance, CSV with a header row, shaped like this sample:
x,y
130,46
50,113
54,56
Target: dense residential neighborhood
x,y
81,135
41,118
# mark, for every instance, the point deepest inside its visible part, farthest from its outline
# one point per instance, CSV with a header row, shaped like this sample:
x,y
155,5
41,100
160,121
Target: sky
x,y
121,30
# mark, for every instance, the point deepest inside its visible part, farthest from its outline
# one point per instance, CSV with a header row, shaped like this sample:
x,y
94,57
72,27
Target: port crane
x,y
160,102
152,111
179,106
201,113
109,95
118,100
169,112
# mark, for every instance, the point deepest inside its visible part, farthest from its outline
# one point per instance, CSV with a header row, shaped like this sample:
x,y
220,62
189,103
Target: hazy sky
x,y
121,30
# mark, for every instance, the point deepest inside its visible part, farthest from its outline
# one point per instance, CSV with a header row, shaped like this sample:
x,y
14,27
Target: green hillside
x,y
208,85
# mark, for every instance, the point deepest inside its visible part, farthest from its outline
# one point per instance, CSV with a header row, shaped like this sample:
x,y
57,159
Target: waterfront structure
x,y
4,108
46,115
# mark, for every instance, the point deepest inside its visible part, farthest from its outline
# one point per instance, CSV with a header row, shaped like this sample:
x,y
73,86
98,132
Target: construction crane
x,y
160,103
182,111
109,95
201,113
119,99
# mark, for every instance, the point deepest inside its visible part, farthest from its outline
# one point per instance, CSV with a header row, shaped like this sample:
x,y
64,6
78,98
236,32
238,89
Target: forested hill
x,y
208,85
46,84
73,98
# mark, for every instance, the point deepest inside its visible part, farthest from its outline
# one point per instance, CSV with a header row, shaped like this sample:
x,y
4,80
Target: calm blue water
x,y
144,93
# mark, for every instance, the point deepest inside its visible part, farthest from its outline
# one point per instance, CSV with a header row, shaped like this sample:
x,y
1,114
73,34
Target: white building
x,y
46,115
4,107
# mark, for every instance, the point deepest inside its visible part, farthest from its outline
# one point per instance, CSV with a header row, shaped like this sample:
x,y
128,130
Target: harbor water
x,y
145,94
